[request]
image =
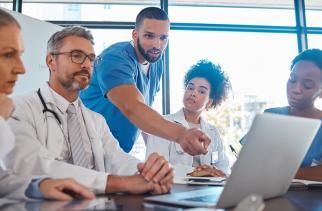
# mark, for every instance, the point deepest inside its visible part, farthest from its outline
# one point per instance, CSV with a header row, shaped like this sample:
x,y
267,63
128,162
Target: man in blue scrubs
x,y
126,80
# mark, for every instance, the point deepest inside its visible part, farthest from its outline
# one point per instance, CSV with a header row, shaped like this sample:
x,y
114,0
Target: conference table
x,y
293,200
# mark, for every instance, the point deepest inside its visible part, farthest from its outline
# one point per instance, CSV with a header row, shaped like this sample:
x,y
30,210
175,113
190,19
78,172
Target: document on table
x,y
306,184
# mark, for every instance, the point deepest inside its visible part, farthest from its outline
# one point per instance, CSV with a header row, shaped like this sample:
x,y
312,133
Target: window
x,y
257,64
313,12
82,12
6,4
315,41
264,12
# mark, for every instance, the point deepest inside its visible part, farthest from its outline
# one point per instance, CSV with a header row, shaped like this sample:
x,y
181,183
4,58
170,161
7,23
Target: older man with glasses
x,y
57,136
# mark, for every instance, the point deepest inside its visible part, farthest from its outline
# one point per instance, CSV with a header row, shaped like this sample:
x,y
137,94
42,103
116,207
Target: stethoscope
x,y
46,109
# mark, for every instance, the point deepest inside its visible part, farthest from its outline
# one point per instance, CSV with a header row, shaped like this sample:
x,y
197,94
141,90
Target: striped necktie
x,y
75,138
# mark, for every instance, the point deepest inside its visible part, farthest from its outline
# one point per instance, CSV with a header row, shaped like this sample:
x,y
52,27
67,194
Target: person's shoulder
x,y
169,116
117,48
96,117
27,98
118,53
174,116
277,110
210,126
211,130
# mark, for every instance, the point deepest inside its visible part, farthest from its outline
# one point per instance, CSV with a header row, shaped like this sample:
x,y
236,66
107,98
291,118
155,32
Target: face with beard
x,y
150,39
66,74
151,55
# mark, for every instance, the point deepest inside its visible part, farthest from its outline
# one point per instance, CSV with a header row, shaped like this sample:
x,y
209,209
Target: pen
x,y
15,118
233,150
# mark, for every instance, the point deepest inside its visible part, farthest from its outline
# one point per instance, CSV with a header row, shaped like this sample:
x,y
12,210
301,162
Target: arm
x,y
6,106
135,184
13,186
34,152
310,173
7,139
59,189
158,179
126,167
131,103
6,136
155,170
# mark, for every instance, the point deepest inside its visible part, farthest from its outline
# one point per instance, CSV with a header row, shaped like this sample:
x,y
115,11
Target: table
x,y
292,200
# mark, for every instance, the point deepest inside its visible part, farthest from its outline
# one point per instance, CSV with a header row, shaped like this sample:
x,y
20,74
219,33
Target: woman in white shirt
x,y
15,186
206,86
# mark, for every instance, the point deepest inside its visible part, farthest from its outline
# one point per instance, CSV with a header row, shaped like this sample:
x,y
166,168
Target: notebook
x,y
274,149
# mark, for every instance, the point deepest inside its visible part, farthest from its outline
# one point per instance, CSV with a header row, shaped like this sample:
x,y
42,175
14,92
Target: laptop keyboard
x,y
206,198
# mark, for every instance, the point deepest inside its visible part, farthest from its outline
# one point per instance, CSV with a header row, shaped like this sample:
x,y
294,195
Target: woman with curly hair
x,y
206,86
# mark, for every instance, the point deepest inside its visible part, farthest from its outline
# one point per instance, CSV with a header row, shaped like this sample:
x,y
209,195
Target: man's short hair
x,y
150,13
56,40
6,19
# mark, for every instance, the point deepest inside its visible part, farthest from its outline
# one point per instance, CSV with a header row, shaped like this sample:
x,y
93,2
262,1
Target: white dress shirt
x,y
62,104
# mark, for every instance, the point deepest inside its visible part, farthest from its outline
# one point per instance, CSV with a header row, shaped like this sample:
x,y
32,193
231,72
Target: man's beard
x,y
146,54
73,84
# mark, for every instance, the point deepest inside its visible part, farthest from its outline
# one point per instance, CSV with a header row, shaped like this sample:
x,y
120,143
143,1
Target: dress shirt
x,y
62,104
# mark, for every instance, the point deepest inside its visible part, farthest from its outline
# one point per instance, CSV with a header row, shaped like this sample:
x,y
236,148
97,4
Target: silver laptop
x,y
274,149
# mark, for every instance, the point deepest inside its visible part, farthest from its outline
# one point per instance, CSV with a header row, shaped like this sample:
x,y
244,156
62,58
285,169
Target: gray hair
x,y
56,40
7,20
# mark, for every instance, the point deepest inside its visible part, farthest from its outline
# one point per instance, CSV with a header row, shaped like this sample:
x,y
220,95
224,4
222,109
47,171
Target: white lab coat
x,y
175,154
39,142
12,186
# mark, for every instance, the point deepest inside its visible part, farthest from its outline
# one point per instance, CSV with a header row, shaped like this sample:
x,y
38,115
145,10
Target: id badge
x,y
214,157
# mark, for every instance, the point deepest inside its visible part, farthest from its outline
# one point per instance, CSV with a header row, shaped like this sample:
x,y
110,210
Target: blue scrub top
x,y
119,66
314,154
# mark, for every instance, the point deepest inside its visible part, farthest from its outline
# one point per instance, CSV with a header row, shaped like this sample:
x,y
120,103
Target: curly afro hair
x,y
218,80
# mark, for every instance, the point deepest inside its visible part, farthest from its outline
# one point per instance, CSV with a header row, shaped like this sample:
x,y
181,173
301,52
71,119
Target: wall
x,y
35,35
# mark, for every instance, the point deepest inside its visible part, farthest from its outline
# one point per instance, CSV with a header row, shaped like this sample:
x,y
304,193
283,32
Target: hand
x,y
194,142
157,169
54,189
135,184
6,106
206,171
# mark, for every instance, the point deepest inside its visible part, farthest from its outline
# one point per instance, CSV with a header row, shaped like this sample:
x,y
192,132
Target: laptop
x,y
273,151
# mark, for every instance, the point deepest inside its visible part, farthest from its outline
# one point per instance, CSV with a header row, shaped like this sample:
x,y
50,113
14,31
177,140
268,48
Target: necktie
x,y
75,138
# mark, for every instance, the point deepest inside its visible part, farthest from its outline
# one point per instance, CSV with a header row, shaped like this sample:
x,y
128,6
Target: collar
x,y
179,117
56,99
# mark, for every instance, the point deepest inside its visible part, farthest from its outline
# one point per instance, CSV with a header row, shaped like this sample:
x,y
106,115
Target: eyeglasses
x,y
78,57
